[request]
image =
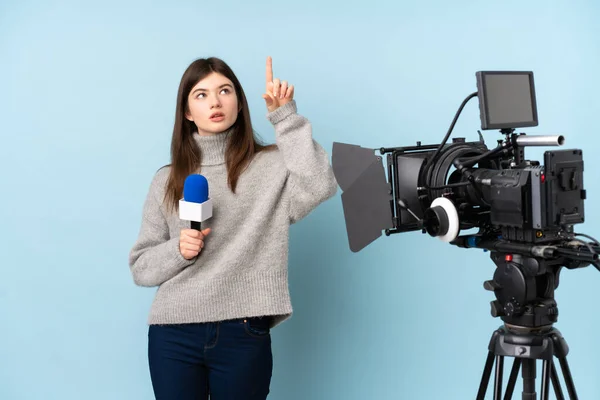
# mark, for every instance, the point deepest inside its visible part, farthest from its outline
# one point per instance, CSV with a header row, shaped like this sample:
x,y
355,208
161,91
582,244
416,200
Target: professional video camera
x,y
524,213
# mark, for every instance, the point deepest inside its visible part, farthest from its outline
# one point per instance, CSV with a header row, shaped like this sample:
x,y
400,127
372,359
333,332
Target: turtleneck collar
x,y
213,147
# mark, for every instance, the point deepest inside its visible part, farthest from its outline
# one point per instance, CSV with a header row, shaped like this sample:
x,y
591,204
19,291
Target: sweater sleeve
x,y
155,256
310,175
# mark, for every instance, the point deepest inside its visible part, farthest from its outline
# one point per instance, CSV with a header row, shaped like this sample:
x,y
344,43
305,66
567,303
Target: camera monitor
x,y
506,99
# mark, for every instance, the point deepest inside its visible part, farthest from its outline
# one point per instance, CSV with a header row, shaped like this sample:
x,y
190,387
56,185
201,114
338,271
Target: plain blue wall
x,y
87,96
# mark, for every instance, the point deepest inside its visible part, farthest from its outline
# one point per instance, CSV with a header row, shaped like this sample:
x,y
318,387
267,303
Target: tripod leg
x,y
545,380
529,379
485,378
556,383
564,365
498,378
512,380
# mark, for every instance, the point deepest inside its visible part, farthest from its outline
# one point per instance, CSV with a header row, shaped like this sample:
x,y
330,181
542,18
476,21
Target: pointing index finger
x,y
269,69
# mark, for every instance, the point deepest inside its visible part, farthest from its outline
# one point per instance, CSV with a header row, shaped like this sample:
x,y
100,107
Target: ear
x,y
187,114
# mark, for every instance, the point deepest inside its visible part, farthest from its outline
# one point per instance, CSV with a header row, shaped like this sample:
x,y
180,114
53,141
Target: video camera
x,y
524,212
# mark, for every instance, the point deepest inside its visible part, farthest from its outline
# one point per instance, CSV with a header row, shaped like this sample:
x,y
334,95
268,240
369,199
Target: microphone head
x,y
195,189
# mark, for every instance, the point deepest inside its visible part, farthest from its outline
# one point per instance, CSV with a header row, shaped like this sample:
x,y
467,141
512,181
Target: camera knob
x,y
553,313
497,309
491,285
512,307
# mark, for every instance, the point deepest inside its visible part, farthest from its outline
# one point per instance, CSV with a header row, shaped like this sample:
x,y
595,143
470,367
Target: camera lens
x,y
436,221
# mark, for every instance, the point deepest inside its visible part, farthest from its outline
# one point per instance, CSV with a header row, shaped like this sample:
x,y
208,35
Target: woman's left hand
x,y
278,92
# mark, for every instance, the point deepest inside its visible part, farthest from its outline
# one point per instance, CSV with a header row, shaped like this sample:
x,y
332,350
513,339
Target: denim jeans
x,y
228,360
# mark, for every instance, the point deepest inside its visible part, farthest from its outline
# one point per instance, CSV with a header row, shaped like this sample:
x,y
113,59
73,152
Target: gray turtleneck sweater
x,y
242,269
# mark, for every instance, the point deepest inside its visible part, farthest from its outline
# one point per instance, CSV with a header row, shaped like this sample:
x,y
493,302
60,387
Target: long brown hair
x,y
242,145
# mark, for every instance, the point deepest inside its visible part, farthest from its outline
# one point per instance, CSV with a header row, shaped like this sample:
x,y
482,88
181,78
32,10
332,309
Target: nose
x,y
215,102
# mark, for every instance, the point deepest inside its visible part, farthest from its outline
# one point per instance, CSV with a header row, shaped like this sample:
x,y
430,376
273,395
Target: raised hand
x,y
278,92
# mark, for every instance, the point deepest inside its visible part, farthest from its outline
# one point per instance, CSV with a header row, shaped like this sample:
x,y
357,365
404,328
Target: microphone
x,y
195,205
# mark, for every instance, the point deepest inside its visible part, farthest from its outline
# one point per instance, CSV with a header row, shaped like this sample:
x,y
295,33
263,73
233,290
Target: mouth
x,y
218,116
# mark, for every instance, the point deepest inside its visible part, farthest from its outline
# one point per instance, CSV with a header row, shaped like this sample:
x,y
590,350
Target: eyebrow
x,y
206,90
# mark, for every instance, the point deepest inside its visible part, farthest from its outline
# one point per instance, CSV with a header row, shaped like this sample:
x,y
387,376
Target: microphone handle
x,y
195,225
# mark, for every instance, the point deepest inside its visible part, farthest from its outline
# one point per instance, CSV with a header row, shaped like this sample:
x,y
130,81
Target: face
x,y
213,105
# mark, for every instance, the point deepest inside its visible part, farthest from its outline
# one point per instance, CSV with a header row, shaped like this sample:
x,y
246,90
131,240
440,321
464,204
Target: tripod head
x,y
527,276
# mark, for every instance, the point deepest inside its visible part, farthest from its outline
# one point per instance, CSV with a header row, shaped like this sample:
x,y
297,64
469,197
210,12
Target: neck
x,y
212,147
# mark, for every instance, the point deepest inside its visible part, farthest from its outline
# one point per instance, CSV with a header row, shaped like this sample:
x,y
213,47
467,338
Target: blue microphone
x,y
195,206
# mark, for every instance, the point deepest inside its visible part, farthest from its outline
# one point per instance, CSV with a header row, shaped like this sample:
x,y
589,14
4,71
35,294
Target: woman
x,y
222,289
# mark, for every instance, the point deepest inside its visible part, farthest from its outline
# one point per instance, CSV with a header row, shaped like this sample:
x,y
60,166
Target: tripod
x,y
527,345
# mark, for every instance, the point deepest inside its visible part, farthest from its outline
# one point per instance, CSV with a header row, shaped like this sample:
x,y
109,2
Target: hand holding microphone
x,y
191,242
195,207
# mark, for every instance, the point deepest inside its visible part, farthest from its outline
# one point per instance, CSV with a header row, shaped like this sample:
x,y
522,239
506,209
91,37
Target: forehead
x,y
212,81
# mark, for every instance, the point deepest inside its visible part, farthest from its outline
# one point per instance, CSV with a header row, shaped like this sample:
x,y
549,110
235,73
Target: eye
x,y
225,91
200,95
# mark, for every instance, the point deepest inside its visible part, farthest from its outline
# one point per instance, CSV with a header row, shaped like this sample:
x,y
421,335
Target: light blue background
x,y
87,97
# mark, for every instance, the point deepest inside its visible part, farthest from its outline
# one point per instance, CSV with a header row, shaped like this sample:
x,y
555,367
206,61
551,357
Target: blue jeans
x,y
228,360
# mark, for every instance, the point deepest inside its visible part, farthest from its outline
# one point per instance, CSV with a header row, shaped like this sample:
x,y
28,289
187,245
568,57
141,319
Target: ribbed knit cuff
x,y
175,255
282,112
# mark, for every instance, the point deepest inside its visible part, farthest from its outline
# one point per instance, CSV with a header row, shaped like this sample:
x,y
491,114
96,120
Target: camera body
x,y
444,188
522,202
